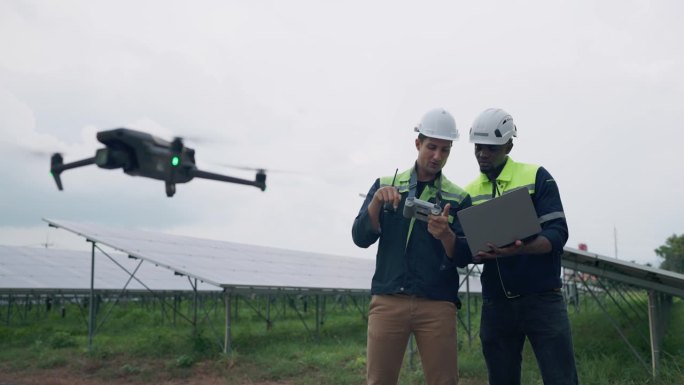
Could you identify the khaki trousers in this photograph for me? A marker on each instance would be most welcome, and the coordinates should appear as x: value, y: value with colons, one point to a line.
x: 392, y: 319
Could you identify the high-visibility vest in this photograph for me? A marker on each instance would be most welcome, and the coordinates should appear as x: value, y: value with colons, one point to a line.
x: 442, y: 191
x: 525, y: 273
x: 512, y: 176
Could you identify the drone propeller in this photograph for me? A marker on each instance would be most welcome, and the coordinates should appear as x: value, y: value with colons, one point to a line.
x: 41, y: 154
x: 238, y: 167
x: 177, y: 144
x: 35, y: 151
x: 258, y: 169
x: 194, y: 139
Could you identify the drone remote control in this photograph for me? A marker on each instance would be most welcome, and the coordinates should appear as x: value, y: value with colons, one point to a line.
x: 416, y: 208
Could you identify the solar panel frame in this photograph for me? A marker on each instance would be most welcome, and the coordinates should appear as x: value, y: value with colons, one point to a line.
x: 645, y: 277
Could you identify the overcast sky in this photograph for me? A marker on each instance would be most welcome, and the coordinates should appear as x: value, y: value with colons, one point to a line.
x: 326, y: 95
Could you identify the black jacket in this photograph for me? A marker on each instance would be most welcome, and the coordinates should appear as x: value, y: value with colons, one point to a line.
x: 420, y: 267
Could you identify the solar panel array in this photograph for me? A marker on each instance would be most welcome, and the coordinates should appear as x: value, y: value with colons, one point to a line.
x: 169, y: 260
x: 228, y: 264
x: 32, y: 268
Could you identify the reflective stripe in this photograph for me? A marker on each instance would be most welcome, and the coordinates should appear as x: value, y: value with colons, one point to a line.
x: 454, y: 196
x: 478, y: 198
x: 551, y: 216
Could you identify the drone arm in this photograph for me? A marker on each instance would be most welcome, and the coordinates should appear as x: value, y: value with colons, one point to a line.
x: 259, y: 182
x: 71, y: 165
x: 57, y: 167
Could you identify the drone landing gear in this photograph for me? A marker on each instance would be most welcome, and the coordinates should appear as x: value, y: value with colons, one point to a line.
x: 170, y: 189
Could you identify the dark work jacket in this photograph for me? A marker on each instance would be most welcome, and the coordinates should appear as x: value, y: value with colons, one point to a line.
x: 420, y: 267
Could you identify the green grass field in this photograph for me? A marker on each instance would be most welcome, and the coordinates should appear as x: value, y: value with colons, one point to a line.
x: 139, y: 340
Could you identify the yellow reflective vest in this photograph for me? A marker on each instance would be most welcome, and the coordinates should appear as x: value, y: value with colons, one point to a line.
x: 527, y: 273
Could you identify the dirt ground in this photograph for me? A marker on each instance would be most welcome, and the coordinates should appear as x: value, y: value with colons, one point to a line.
x: 200, y: 374
x: 65, y: 377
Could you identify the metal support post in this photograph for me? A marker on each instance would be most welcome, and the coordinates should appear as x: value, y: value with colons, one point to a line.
x: 654, y: 322
x: 227, y: 343
x: 91, y: 301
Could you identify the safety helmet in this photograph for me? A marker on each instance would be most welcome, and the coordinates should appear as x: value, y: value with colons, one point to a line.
x: 439, y: 124
x: 493, y: 126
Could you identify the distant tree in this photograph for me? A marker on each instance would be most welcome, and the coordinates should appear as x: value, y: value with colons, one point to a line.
x: 672, y: 253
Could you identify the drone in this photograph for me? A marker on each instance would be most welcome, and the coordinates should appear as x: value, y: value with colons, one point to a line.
x: 141, y: 154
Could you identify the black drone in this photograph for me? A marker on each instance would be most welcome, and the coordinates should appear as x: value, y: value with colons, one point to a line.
x: 141, y: 154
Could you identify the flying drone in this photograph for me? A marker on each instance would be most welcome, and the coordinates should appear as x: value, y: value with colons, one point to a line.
x: 141, y: 154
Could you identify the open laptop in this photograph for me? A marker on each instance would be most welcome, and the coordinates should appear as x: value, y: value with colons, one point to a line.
x: 500, y: 221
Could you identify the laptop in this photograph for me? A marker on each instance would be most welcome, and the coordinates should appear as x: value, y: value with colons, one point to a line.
x: 500, y: 221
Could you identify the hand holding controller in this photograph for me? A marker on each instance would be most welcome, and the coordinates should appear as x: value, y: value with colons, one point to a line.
x: 419, y: 209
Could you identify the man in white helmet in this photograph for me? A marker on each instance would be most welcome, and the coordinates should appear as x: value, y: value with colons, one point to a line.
x: 415, y: 285
x: 521, y: 283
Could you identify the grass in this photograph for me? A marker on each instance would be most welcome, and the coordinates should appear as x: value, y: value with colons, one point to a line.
x: 140, y: 341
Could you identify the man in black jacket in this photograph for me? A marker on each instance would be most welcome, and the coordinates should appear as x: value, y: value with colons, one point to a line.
x: 415, y: 285
x: 521, y: 283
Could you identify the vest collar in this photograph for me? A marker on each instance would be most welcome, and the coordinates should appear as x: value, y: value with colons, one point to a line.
x: 506, y: 173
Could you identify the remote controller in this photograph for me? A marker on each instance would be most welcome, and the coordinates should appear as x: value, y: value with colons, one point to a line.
x: 416, y: 208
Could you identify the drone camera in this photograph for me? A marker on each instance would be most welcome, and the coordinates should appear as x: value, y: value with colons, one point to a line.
x: 110, y: 159
x: 102, y: 157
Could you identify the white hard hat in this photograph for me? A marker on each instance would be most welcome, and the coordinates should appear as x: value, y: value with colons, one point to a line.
x: 439, y: 124
x: 493, y: 126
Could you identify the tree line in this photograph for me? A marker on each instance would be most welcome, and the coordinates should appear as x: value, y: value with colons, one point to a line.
x: 672, y: 253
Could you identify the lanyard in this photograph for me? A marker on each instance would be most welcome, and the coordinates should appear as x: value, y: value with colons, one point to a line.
x: 413, y: 184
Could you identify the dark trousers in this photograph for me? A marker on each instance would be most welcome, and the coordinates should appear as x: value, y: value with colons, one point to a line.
x: 543, y: 319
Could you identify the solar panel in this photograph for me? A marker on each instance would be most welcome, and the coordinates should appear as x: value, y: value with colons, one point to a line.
x: 234, y: 265
x: 228, y: 264
x: 32, y: 268
x: 217, y: 263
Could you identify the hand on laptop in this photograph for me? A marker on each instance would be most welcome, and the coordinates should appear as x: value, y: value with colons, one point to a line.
x: 496, y: 252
